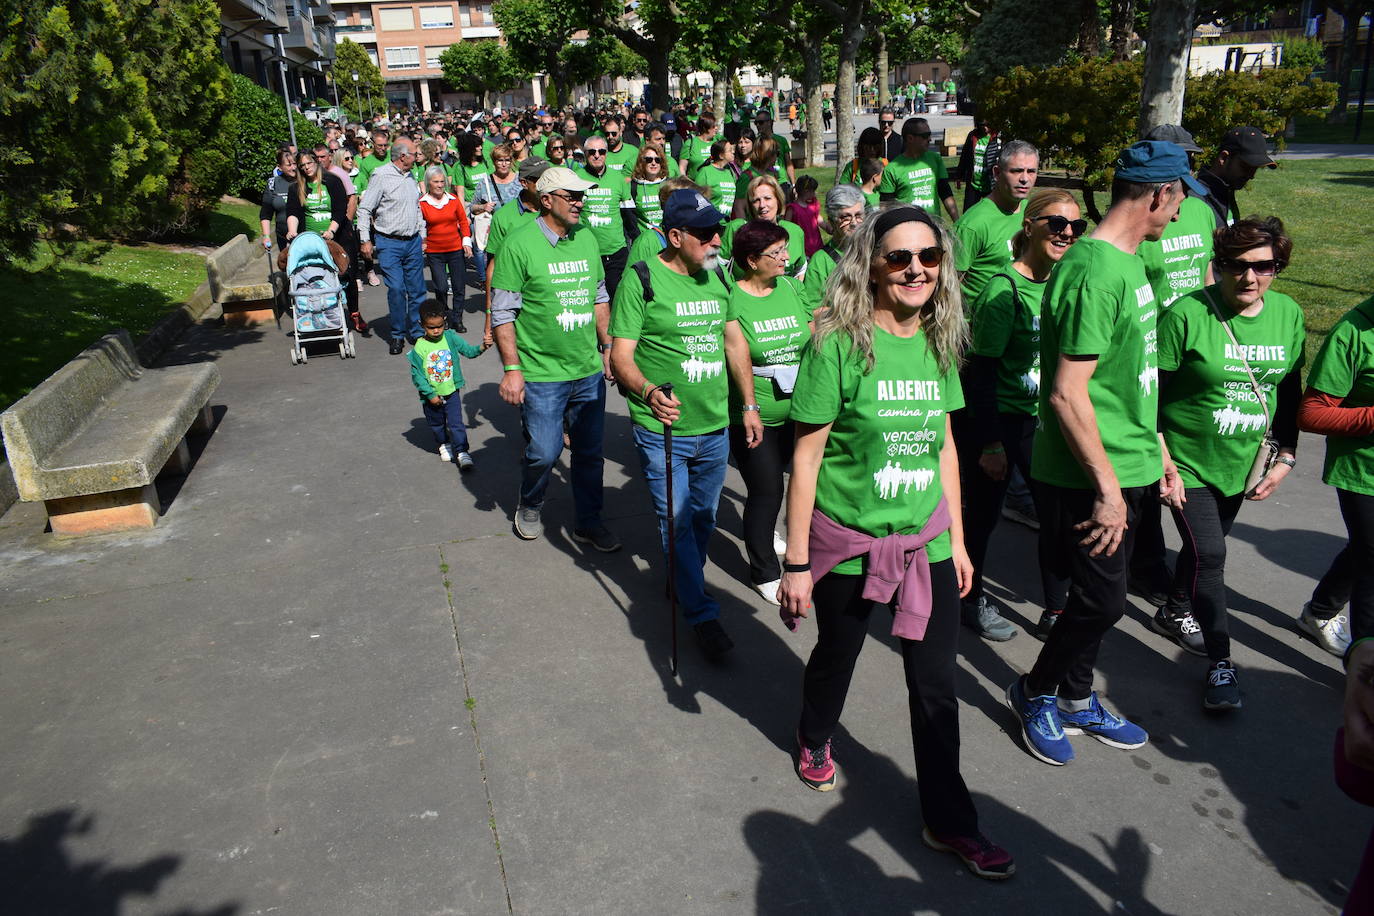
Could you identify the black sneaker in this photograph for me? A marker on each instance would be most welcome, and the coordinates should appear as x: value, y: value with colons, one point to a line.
x: 1181, y: 628
x: 1222, y: 690
x: 1047, y: 621
x: 714, y: 641
x: 599, y: 536
x: 527, y: 522
x: 1154, y: 595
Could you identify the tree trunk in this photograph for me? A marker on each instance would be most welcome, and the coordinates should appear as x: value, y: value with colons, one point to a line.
x: 1166, y: 63
x: 884, y: 91
x: 720, y: 84
x: 1350, y: 15
x: 1090, y: 29
x: 811, y: 78
x: 851, y: 37
x: 1123, y: 23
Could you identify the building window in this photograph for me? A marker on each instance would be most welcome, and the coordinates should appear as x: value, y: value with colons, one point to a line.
x: 465, y: 15
x: 484, y: 8
x: 398, y: 19
x: 372, y: 55
x: 403, y: 58
x: 432, y: 55
x: 436, y: 17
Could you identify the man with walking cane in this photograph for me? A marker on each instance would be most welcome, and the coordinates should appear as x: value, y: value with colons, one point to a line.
x: 668, y: 350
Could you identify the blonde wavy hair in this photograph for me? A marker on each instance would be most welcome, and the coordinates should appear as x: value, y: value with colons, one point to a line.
x: 849, y: 292
x: 754, y: 184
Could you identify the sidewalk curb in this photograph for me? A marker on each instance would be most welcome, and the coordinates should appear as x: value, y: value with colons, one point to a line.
x: 150, y: 347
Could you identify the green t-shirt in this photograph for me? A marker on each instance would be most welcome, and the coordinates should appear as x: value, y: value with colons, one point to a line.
x: 644, y: 195
x: 784, y: 151
x: 721, y: 185
x: 747, y: 174
x: 366, y: 166
x: 434, y: 367
x: 697, y: 152
x: 647, y: 244
x: 1099, y: 303
x: 1344, y: 368
x: 681, y: 339
x: 1177, y: 263
x: 317, y: 208
x: 505, y: 221
x: 1209, y: 414
x: 776, y: 328
x: 984, y: 250
x: 555, y: 329
x: 871, y: 198
x: 470, y: 177
x: 1010, y: 332
x: 796, y: 246
x: 980, y: 176
x: 487, y: 147
x: 601, y: 210
x: 818, y: 269
x: 538, y: 149
x: 623, y: 160
x: 880, y: 472
x: 915, y: 181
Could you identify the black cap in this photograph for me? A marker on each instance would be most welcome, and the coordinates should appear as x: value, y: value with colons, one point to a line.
x: 1249, y: 144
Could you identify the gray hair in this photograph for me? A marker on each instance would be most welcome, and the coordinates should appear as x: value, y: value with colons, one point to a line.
x: 435, y: 170
x: 842, y: 197
x: 1016, y: 148
x: 400, y: 148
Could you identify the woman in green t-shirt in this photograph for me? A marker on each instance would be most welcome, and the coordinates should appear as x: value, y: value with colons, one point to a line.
x: 845, y: 209
x: 319, y: 203
x: 763, y: 200
x: 874, y: 501
x: 645, y: 182
x: 766, y: 324
x: 1002, y: 384
x: 1230, y: 368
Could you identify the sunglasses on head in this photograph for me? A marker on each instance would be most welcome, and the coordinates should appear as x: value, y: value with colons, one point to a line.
x: 1237, y: 267
x: 900, y: 258
x: 1057, y: 224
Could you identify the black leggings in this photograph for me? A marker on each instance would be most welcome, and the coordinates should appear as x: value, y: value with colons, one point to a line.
x: 983, y: 499
x: 762, y: 467
x: 1351, y: 576
x: 929, y: 666
x: 1203, y: 524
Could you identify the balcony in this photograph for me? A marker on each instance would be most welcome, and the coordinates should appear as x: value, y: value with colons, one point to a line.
x: 322, y: 12
x: 324, y: 37
x: 302, y: 40
x: 271, y: 13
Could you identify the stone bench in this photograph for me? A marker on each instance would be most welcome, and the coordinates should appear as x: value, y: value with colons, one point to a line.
x: 243, y: 283
x: 953, y: 142
x: 89, y: 441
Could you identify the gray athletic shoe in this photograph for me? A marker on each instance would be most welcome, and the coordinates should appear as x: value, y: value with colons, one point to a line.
x: 528, y: 525
x: 982, y: 618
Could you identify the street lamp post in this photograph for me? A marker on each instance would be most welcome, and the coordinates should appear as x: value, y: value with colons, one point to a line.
x: 356, y: 97
x: 285, y: 89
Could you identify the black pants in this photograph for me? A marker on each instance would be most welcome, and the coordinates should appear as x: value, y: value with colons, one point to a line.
x: 442, y: 266
x: 1199, y: 577
x: 614, y: 265
x: 1097, y: 593
x: 1148, y: 563
x: 1351, y: 576
x: 929, y: 666
x: 762, y: 467
x: 983, y: 498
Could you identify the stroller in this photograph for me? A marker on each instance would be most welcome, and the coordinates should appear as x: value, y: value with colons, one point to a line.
x: 317, y: 297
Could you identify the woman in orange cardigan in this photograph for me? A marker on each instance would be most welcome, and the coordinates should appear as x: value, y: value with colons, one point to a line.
x: 448, y: 242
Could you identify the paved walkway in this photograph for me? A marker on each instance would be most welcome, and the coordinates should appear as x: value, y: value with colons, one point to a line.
x: 1327, y: 151
x: 331, y: 681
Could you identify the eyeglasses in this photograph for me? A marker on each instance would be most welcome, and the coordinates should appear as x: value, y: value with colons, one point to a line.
x: 1237, y: 267
x: 900, y: 258
x: 612, y: 134
x: 1057, y: 224
x: 572, y: 197
x: 703, y: 235
x: 652, y: 159
x: 779, y: 254
x: 554, y: 149
x: 844, y: 219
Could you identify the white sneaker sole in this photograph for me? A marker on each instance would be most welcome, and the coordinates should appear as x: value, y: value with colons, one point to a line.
x: 1308, y: 626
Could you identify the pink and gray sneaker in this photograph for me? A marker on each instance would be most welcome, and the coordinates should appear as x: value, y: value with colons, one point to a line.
x: 815, y: 767
x: 983, y: 857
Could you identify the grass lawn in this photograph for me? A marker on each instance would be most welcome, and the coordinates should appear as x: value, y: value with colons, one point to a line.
x: 1316, y: 130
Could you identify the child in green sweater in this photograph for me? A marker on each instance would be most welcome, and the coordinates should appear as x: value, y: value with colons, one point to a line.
x: 435, y: 373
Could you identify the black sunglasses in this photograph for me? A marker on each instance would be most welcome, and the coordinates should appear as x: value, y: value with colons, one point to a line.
x: 1237, y: 267
x: 702, y: 235
x: 887, y: 123
x: 1057, y: 224
x: 900, y: 258
x: 652, y: 159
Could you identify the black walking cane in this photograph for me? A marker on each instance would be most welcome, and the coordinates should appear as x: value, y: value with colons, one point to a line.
x: 667, y: 389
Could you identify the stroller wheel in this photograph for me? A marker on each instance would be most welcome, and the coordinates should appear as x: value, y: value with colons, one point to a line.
x: 295, y: 360
x: 343, y: 350
x: 304, y: 355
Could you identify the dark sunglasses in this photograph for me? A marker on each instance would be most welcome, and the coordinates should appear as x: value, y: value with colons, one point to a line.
x: 887, y: 123
x: 596, y: 152
x: 554, y: 149
x: 652, y: 159
x: 705, y: 235
x: 1057, y: 224
x: 1237, y: 267
x: 900, y: 258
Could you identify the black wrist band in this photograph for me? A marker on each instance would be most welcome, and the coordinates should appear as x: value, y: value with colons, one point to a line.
x: 796, y: 567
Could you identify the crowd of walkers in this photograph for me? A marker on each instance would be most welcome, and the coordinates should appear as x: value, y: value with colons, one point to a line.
x: 894, y: 370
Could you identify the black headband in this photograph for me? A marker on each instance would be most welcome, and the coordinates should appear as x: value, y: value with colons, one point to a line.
x: 891, y: 219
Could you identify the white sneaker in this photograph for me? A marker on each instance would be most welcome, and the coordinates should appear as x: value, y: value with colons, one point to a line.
x: 769, y: 590
x: 445, y: 452
x: 779, y: 544
x: 1333, y: 635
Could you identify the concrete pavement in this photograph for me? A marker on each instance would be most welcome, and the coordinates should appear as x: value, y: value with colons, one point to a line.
x: 332, y: 681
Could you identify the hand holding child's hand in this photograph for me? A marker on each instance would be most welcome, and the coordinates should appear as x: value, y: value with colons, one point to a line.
x: 436, y: 400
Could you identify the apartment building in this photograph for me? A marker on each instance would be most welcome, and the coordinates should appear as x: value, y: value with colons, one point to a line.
x: 257, y: 35
x: 405, y: 40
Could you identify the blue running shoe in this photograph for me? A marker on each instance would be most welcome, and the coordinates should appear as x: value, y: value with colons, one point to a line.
x: 1040, y: 725
x: 1110, y: 729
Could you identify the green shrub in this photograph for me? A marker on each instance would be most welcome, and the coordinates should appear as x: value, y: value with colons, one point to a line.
x: 258, y: 127
x: 1303, y: 54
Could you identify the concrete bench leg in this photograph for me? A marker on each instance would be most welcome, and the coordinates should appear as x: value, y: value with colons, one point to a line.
x: 203, y: 423
x: 102, y: 513
x: 246, y: 313
x: 179, y: 462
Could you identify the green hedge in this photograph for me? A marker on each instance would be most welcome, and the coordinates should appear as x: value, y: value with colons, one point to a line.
x: 258, y: 126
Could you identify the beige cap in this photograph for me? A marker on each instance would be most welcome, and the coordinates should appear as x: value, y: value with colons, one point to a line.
x: 560, y: 178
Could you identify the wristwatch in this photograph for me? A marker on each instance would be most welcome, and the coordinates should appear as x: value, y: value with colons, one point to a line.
x: 1284, y: 459
x: 749, y: 407
x: 603, y: 348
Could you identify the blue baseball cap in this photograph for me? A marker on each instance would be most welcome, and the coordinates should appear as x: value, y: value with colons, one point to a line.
x: 687, y: 209
x: 1155, y: 162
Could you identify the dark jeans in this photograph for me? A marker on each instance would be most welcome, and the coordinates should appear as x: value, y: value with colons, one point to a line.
x: 1097, y: 591
x: 930, y: 669
x: 1350, y: 580
x: 614, y: 265
x: 983, y: 498
x: 442, y: 266
x: 446, y: 421
x: 762, y: 467
x: 402, y: 263
x: 1203, y: 524
x: 583, y: 403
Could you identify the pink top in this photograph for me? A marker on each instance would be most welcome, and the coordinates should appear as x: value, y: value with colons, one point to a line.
x: 809, y: 218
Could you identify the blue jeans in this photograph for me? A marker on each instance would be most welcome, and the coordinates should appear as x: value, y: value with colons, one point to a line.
x: 699, y: 464
x: 403, y: 271
x: 583, y: 402
x: 442, y: 265
x: 446, y: 421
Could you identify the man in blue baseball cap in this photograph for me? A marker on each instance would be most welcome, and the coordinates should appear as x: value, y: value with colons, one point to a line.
x: 1097, y: 455
x: 669, y: 329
